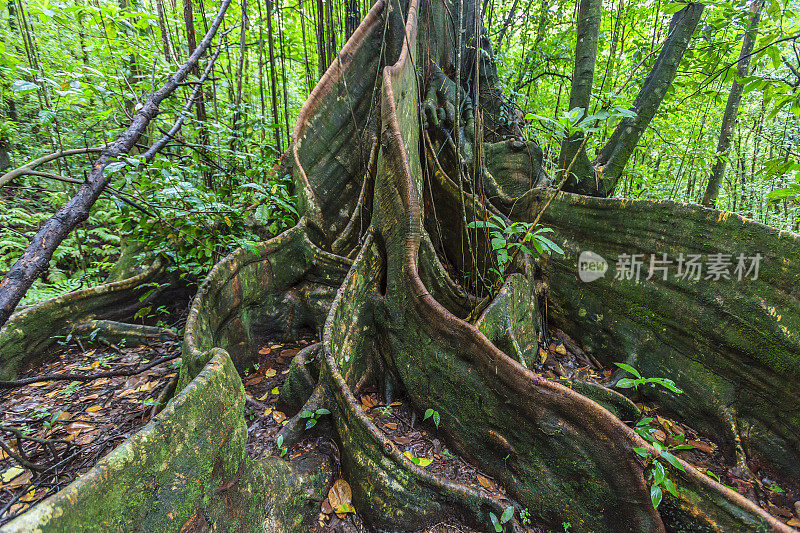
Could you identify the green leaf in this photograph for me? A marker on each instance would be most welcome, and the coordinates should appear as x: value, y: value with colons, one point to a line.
x: 310, y: 423
x: 507, y: 514
x: 658, y: 473
x: 670, y: 486
x: 629, y: 368
x: 428, y: 414
x: 671, y: 459
x: 641, y: 451
x: 498, y: 527
x: 306, y: 414
x: 23, y: 86
x: 322, y: 411
x: 626, y: 383
x: 656, y: 495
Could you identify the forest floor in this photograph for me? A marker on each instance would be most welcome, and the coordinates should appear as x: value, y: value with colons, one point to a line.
x: 64, y: 427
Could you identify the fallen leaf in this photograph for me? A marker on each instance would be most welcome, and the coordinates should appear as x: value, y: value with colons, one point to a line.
x: 255, y: 380
x: 343, y: 509
x: 485, y: 482
x: 11, y: 473
x: 18, y: 481
x: 340, y: 494
x: 40, y: 384
x: 286, y: 371
x: 276, y: 391
x: 29, y: 496
x: 270, y: 373
x: 402, y: 440
x: 326, y: 506
x: 265, y: 350
x: 78, y: 426
x: 702, y: 446
x: 542, y: 355
x: 64, y: 415
x: 278, y: 416
x: 794, y: 522
x: 93, y: 408
x: 660, y: 435
x: 86, y: 438
x: 391, y: 425
x: 266, y: 395
x: 560, y: 349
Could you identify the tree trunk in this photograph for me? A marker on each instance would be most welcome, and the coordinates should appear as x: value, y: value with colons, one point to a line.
x: 617, y: 151
x: 732, y: 106
x: 375, y: 267
x: 588, y: 36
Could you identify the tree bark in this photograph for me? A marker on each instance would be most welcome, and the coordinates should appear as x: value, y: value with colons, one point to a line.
x: 732, y: 106
x: 617, y: 151
x: 588, y: 36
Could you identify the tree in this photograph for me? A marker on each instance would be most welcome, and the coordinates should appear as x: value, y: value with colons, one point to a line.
x: 404, y: 147
x: 732, y: 106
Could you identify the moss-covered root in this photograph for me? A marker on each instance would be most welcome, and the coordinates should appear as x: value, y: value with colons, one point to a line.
x: 114, y: 332
x: 29, y: 333
x: 389, y: 490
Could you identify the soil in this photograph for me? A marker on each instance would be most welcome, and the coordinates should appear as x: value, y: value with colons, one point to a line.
x: 79, y: 422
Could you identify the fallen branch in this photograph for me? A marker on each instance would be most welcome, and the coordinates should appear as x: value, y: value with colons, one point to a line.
x: 36, y: 257
x: 28, y: 167
x: 86, y: 377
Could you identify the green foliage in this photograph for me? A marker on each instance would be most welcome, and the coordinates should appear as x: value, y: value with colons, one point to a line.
x: 313, y: 416
x: 499, y: 523
x: 627, y: 383
x: 656, y: 471
x: 506, y: 239
x: 432, y: 413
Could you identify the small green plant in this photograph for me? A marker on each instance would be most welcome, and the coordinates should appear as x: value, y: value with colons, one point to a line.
x: 627, y: 383
x: 70, y: 389
x: 656, y: 472
x: 432, y: 413
x: 313, y: 416
x: 525, y: 516
x: 715, y: 477
x: 419, y: 461
x: 500, y: 523
x: 566, y: 526
x: 282, y: 450
x: 505, y: 238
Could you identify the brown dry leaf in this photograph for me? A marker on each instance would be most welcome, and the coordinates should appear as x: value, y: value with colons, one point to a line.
x: 794, y: 522
x: 286, y: 371
x: 276, y: 346
x: 18, y: 481
x: 93, y: 408
x: 102, y: 381
x: 64, y: 415
x: 18, y: 508
x: 402, y: 440
x: 340, y: 494
x: 29, y: 496
x: 702, y: 446
x: 560, y: 349
x: 270, y: 373
x: 326, y: 506
x: 255, y: 380
x: 367, y: 402
x: 485, y: 482
x: 278, y: 416
x: 90, y: 397
x: 78, y: 426
x: 71, y: 437
x: 265, y: 350
x: 86, y: 438
x: 147, y: 387
x: 40, y: 384
x: 660, y: 435
x: 391, y: 425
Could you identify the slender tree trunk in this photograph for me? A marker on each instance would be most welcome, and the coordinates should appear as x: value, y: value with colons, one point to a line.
x: 322, y: 59
x: 508, y: 22
x: 162, y: 26
x: 588, y: 36
x: 617, y: 151
x: 732, y: 106
x: 237, y: 104
x: 273, y: 81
